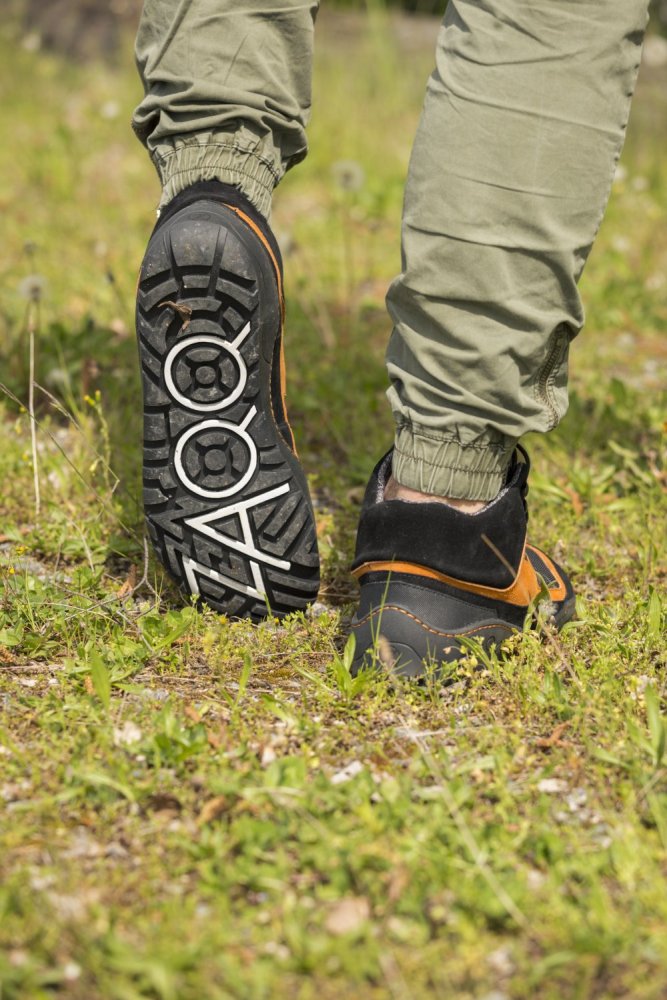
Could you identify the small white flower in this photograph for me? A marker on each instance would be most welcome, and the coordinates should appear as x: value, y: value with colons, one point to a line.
x: 535, y: 879
x: 110, y: 109
x: 127, y: 735
x: 621, y: 244
x: 626, y: 340
x: 32, y: 287
x: 501, y: 961
x: 71, y: 972
x: 620, y: 174
x: 32, y: 42
x: 655, y: 51
x: 348, y: 175
x: 576, y: 799
x: 347, y: 773
x: 551, y: 786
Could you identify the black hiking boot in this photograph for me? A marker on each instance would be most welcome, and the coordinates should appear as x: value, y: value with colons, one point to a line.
x: 432, y: 577
x: 226, y: 501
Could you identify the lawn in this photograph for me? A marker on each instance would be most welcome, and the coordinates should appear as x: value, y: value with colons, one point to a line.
x: 195, y: 808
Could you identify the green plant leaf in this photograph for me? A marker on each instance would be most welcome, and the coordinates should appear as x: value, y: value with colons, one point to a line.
x: 654, y: 616
x: 656, y: 724
x: 101, y: 678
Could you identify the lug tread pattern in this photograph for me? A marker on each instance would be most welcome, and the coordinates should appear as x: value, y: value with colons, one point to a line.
x: 205, y: 278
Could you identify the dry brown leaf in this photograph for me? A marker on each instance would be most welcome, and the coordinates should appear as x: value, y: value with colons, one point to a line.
x: 213, y: 808
x: 385, y: 653
x: 554, y: 739
x: 347, y: 915
x: 128, y: 584
x: 577, y: 503
x: 398, y: 883
x: 216, y: 739
x: 185, y: 312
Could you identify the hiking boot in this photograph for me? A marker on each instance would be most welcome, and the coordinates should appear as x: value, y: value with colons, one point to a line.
x: 433, y: 577
x: 226, y: 501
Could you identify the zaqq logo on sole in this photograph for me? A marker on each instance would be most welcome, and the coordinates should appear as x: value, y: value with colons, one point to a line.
x: 215, y: 458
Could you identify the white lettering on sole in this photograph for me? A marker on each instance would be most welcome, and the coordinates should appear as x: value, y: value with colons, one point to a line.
x: 216, y: 458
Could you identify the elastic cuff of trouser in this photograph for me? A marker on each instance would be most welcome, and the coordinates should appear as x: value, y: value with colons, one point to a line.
x: 237, y: 158
x: 448, y: 468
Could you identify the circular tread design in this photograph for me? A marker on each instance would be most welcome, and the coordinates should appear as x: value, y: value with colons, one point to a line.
x: 226, y: 501
x: 204, y: 373
x: 215, y: 459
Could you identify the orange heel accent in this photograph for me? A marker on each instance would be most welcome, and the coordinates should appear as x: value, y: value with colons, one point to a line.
x: 279, y: 281
x: 520, y: 592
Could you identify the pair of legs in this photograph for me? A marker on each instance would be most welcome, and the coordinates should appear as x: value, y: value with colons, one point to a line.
x: 522, y: 126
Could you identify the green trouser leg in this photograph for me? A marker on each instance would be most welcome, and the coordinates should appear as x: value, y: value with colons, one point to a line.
x: 523, y: 123
x: 227, y: 91
x: 511, y: 169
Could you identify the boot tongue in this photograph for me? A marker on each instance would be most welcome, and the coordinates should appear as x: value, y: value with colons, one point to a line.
x: 517, y: 474
x: 374, y: 493
x: 382, y: 474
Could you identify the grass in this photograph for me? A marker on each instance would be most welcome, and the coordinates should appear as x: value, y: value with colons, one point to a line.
x: 201, y: 808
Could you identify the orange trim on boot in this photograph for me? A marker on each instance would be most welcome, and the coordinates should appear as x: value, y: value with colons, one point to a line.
x: 520, y: 592
x: 559, y: 592
x: 267, y: 246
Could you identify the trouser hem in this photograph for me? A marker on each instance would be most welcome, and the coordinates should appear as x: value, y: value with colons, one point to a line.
x: 233, y: 158
x: 449, y: 468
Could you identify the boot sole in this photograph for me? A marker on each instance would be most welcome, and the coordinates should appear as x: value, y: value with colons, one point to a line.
x: 226, y: 501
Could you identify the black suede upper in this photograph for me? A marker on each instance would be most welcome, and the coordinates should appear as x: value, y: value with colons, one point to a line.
x: 443, y: 538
